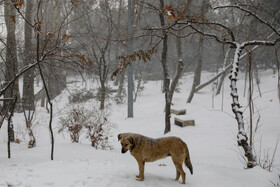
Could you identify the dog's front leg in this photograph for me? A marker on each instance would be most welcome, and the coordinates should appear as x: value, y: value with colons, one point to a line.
x: 141, y: 165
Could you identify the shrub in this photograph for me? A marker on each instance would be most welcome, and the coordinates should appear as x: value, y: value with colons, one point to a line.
x: 120, y: 97
x: 93, y: 122
x: 81, y: 96
x: 73, y: 122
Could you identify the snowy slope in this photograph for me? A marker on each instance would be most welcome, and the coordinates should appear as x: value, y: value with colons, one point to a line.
x: 212, y: 143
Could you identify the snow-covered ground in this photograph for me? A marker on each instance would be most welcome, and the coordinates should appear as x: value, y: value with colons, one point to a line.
x: 212, y: 143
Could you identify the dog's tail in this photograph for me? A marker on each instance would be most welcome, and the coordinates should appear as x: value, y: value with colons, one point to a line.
x: 188, y: 160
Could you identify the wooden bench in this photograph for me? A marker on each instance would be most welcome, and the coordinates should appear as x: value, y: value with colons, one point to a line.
x: 184, y: 122
x: 178, y: 112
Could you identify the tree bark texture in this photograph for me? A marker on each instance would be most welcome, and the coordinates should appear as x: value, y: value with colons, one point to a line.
x: 221, y: 81
x: 242, y: 138
x: 278, y: 70
x: 180, y: 67
x: 250, y: 95
x: 47, y: 94
x: 55, y: 78
x: 102, y: 95
x: 11, y: 64
x: 165, y: 70
x: 28, y: 98
x: 197, y: 74
x: 130, y: 67
x: 38, y: 52
x: 10, y: 125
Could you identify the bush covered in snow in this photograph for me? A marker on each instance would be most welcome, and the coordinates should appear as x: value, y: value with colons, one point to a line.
x: 93, y: 122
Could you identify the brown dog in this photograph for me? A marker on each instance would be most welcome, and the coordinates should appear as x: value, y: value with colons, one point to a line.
x: 145, y: 149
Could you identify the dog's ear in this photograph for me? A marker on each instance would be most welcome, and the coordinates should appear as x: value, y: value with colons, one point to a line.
x: 119, y: 137
x: 130, y: 139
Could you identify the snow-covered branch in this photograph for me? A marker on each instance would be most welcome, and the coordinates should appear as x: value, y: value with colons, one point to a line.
x: 251, y: 13
x: 260, y: 42
x: 236, y: 108
x: 22, y: 71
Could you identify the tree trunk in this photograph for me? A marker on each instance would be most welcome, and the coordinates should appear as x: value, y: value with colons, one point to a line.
x: 11, y: 64
x: 102, y: 95
x: 55, y: 77
x: 250, y: 95
x: 256, y: 74
x: 278, y: 70
x: 224, y: 74
x: 165, y: 71
x: 47, y: 8
x: 118, y: 78
x: 242, y: 138
x: 197, y: 74
x: 130, y: 67
x: 199, y: 87
x: 10, y: 125
x: 180, y: 67
x: 175, y: 81
x: 28, y: 97
x: 227, y: 68
x: 246, y: 76
x: 28, y: 122
x: 121, y: 84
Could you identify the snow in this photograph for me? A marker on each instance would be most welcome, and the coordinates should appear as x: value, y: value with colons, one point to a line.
x: 212, y: 142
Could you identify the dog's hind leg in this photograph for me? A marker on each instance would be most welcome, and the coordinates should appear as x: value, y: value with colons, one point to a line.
x: 177, y: 174
x: 183, y: 174
x: 179, y: 169
x: 141, y: 165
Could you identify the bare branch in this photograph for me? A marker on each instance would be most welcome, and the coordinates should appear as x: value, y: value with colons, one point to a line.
x: 251, y: 13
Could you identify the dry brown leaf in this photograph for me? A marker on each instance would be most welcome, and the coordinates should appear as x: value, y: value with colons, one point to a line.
x: 13, y: 18
x: 19, y: 3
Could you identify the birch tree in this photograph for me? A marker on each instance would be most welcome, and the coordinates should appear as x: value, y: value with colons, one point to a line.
x: 226, y: 36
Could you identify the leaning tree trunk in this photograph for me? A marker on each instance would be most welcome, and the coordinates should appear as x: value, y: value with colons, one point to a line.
x: 221, y: 81
x: 242, y: 138
x: 180, y: 67
x: 197, y: 74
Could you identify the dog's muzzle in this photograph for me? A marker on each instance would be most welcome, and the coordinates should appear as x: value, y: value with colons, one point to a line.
x: 124, y: 151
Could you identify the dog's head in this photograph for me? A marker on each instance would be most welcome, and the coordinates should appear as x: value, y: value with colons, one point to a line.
x: 126, y: 141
